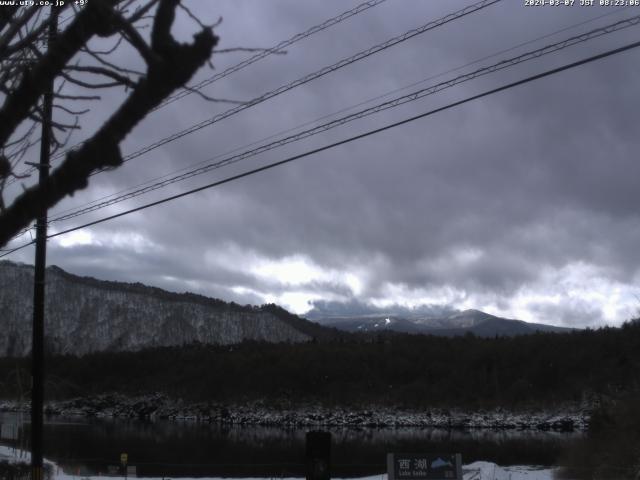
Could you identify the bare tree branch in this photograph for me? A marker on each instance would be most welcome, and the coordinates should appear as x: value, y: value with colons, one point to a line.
x: 141, y: 12
x: 120, y: 79
x: 23, y: 42
x: 108, y: 64
x: 77, y: 97
x: 194, y: 18
x: 6, y: 14
x: 15, y: 27
x: 170, y: 66
x: 88, y: 22
x: 71, y: 112
x: 136, y: 40
x: 58, y: 144
x: 110, y: 50
x: 20, y: 139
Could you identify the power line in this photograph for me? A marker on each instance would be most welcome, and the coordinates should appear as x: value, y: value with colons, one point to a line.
x: 344, y: 62
x: 96, y: 205
x: 310, y: 77
x: 279, y: 47
x: 347, y: 140
x: 313, y: 76
x: 28, y: 62
x: 369, y: 100
x: 596, y: 33
x: 249, y: 61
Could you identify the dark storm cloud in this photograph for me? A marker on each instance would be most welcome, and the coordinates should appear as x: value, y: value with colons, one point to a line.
x: 511, y: 203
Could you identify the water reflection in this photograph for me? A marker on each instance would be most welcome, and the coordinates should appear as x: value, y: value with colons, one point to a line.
x: 183, y: 448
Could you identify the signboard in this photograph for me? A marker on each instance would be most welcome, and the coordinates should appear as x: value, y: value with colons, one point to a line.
x: 424, y: 466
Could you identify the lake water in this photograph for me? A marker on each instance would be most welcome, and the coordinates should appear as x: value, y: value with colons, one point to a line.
x: 190, y: 449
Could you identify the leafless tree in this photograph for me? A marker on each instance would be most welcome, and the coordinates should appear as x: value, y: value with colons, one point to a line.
x: 28, y: 64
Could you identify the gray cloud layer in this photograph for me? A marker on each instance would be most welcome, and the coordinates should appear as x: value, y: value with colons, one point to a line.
x: 521, y: 203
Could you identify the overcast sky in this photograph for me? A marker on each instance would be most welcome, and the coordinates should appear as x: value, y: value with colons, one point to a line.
x: 523, y: 204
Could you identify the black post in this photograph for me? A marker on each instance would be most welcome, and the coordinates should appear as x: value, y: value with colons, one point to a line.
x: 37, y: 349
x: 318, y: 456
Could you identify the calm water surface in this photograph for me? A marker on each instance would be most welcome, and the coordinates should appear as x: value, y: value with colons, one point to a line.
x: 185, y: 448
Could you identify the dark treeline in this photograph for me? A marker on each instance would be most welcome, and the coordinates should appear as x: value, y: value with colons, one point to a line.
x: 391, y: 369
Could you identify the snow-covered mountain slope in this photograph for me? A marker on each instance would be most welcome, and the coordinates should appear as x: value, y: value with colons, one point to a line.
x: 373, y: 323
x: 86, y: 315
x: 468, y: 321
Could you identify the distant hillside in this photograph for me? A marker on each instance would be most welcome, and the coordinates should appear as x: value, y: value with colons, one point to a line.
x: 460, y: 323
x: 88, y: 315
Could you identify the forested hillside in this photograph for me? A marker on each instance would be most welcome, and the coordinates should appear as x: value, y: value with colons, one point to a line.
x: 391, y: 369
x: 85, y: 315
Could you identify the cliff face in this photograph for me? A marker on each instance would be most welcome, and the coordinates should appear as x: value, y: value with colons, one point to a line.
x: 87, y: 315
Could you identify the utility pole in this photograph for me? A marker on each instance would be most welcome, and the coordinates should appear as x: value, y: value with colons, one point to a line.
x: 37, y: 349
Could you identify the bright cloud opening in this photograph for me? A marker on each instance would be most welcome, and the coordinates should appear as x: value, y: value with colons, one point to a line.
x: 77, y: 238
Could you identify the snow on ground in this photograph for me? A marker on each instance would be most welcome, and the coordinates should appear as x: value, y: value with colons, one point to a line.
x: 491, y: 471
x: 14, y: 455
x: 472, y: 471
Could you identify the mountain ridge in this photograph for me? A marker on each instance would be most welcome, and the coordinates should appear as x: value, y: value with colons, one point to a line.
x: 85, y: 314
x: 464, y: 322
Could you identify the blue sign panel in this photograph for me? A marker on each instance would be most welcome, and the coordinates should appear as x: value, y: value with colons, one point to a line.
x: 424, y: 466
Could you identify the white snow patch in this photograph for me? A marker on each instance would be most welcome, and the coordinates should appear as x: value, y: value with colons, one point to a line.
x: 489, y: 470
x: 472, y: 471
x: 15, y: 455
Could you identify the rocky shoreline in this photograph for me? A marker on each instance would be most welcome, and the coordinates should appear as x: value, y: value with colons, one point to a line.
x: 158, y: 406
